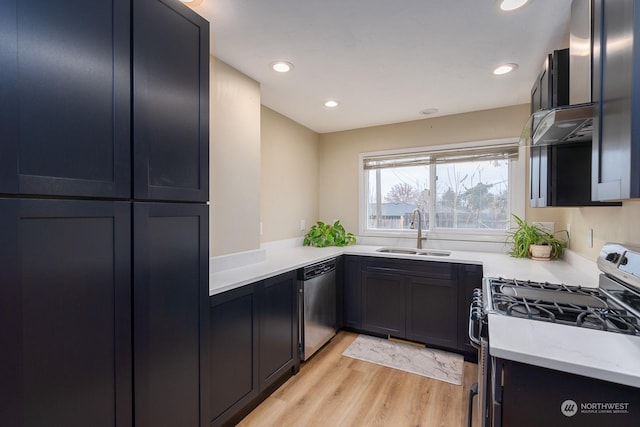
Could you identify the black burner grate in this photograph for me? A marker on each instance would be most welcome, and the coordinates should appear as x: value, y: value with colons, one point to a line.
x: 600, y: 315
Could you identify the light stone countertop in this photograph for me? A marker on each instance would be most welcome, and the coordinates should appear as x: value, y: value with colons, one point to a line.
x: 494, y: 265
x: 604, y: 355
x: 597, y: 354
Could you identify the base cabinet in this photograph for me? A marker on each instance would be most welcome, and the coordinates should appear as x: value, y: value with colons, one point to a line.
x: 351, y: 291
x: 383, y: 303
x: 432, y: 310
x: 233, y: 325
x: 415, y: 300
x: 469, y: 278
x: 253, y: 334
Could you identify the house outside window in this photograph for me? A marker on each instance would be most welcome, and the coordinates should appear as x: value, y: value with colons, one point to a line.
x: 463, y: 191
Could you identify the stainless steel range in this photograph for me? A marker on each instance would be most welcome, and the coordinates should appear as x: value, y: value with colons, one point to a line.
x: 518, y: 394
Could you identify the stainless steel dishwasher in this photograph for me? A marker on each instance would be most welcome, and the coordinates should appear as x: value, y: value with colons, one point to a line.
x: 317, y: 293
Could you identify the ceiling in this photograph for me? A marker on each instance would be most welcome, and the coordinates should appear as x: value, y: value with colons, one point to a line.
x: 385, y: 60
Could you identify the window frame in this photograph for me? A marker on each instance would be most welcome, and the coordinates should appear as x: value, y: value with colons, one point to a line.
x: 517, y: 194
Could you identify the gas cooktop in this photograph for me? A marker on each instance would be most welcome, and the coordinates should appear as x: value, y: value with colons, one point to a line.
x: 560, y: 303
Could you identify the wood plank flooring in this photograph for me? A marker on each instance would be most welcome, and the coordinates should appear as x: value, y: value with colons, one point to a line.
x: 333, y: 390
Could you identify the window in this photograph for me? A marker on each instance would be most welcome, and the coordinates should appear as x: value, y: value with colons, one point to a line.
x: 458, y: 188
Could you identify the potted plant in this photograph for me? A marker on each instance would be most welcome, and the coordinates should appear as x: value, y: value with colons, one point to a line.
x: 321, y: 235
x: 530, y: 241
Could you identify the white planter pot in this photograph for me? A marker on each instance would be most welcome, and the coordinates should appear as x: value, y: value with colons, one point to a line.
x: 540, y: 251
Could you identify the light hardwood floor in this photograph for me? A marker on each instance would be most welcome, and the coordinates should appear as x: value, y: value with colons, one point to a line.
x: 333, y: 390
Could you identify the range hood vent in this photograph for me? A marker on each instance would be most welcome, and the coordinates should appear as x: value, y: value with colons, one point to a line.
x: 562, y: 125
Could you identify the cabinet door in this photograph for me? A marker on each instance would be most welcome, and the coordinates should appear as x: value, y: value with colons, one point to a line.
x: 352, y: 293
x: 539, y: 177
x: 469, y: 278
x: 65, y: 304
x: 278, y: 330
x: 171, y: 102
x: 615, y: 146
x: 383, y: 303
x: 65, y: 98
x: 432, y: 310
x: 233, y: 347
x: 170, y: 314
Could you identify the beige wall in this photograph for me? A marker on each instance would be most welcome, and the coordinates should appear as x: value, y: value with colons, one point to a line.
x: 609, y: 224
x: 235, y: 161
x: 288, y: 177
x: 339, y: 151
x: 265, y: 167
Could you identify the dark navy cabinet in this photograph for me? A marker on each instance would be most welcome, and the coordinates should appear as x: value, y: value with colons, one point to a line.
x: 432, y: 306
x: 104, y: 267
x: 383, y: 303
x: 469, y: 278
x: 70, y: 77
x: 170, y: 313
x: 351, y: 291
x: 616, y: 141
x: 65, y: 313
x: 253, y: 344
x: 65, y: 115
x: 278, y: 323
x: 560, y: 175
x: 233, y: 323
x: 418, y: 300
x: 170, y: 102
x: 410, y: 299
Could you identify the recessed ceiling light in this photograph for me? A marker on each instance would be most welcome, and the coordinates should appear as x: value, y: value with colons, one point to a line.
x: 504, y: 69
x: 282, y: 66
x: 428, y: 111
x: 509, y: 5
x: 331, y: 103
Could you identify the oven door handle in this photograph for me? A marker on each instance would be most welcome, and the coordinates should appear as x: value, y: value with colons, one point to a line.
x: 474, y: 333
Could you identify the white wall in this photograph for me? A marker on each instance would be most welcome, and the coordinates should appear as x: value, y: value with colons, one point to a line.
x: 235, y: 161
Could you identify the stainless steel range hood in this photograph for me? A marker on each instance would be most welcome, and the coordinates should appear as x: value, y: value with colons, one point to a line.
x: 572, y: 123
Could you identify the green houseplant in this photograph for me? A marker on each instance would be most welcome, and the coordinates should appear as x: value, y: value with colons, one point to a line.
x: 526, y: 235
x: 321, y: 235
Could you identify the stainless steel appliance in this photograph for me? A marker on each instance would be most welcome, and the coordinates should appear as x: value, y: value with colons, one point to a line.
x: 317, y: 292
x: 518, y: 394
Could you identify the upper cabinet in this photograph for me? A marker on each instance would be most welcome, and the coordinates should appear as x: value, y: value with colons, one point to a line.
x: 559, y: 173
x: 170, y: 102
x: 65, y: 115
x: 616, y: 143
x: 70, y: 75
x: 551, y: 88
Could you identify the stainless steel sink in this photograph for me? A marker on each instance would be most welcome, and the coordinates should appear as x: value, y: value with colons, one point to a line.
x: 434, y: 253
x: 398, y: 251
x: 410, y: 251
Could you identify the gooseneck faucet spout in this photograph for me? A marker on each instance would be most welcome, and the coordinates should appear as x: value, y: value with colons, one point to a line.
x: 415, y: 212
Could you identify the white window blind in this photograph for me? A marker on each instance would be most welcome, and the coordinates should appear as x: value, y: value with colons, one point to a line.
x: 485, y: 153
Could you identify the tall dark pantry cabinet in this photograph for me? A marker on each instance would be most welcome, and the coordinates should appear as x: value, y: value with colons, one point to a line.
x: 103, y: 213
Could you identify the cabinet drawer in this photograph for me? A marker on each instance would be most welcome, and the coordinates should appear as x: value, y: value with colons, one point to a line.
x: 430, y: 269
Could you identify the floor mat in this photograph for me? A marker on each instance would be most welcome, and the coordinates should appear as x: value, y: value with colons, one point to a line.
x: 437, y: 364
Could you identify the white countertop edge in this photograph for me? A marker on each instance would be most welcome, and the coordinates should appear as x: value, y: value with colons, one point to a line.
x: 580, y: 351
x: 281, y: 260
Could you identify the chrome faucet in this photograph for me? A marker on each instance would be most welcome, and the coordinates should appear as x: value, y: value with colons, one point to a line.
x: 413, y: 217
